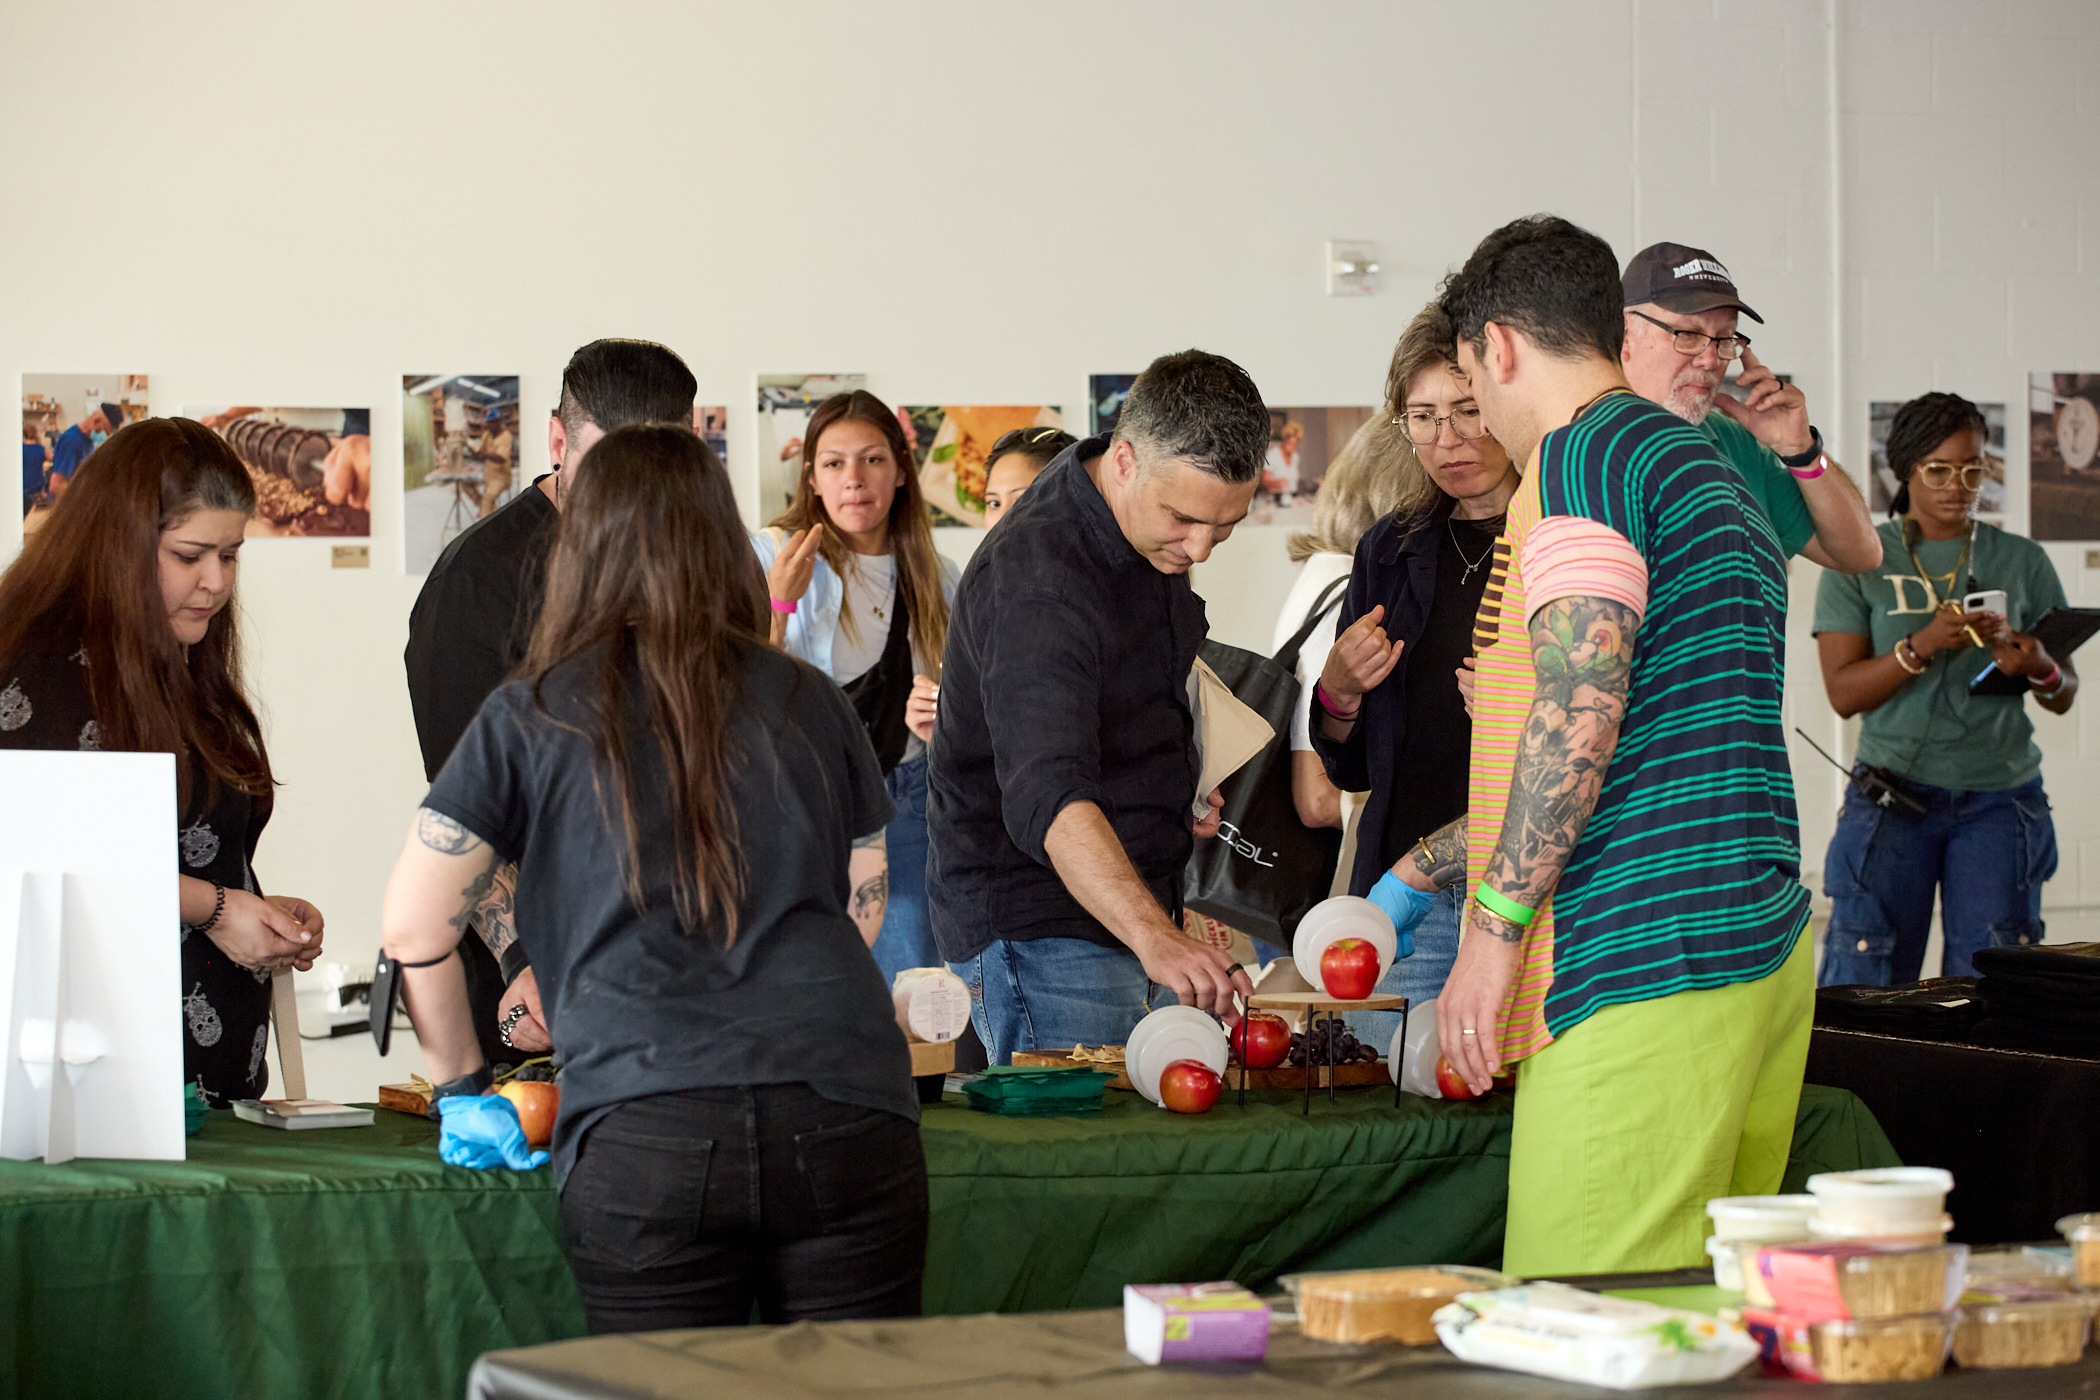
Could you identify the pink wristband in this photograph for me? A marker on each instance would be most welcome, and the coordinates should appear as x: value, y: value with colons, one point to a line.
x: 783, y: 605
x: 1327, y: 703
x: 1813, y: 470
x: 2054, y: 678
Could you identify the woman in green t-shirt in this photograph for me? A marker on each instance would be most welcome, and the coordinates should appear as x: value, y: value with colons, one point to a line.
x: 1897, y: 647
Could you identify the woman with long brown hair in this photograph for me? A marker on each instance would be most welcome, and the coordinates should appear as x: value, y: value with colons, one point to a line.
x: 859, y: 592
x: 118, y: 632
x: 692, y: 814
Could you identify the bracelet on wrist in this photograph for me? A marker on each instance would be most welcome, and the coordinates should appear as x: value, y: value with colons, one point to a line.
x: 218, y: 907
x: 1811, y: 473
x: 1503, y: 907
x: 2050, y: 683
x: 1916, y: 665
x: 1807, y: 463
x: 1327, y: 703
x: 784, y: 605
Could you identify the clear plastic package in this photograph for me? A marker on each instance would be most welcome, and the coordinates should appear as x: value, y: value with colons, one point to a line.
x: 1911, y: 1348
x: 1856, y: 1281
x: 2024, y: 1265
x: 2016, y: 1326
x: 1550, y: 1329
x: 1383, y: 1305
x: 2083, y: 1231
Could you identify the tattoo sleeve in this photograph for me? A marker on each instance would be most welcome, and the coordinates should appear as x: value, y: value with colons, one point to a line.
x: 444, y: 835
x: 1440, y: 857
x: 489, y: 905
x: 1583, y: 650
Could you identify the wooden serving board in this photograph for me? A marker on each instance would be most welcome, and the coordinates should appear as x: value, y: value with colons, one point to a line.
x: 1290, y: 1076
x: 1057, y: 1059
x: 928, y: 1058
x: 404, y: 1098
x: 1320, y: 1001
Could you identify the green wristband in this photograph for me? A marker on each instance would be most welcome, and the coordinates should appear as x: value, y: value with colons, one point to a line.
x: 1503, y: 907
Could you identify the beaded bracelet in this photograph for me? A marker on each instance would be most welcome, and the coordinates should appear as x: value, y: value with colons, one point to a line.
x: 218, y: 907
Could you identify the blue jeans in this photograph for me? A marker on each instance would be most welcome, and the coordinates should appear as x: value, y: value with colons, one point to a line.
x: 906, y: 939
x: 1986, y: 853
x: 1419, y: 977
x: 1054, y: 993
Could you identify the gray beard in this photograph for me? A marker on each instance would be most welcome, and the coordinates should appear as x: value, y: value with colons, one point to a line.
x: 1694, y: 416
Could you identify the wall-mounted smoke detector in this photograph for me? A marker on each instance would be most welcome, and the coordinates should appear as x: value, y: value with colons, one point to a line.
x: 1352, y: 268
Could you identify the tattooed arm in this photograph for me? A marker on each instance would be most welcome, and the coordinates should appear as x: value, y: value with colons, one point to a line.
x: 1582, y: 649
x: 446, y: 878
x: 868, y: 879
x: 1436, y: 861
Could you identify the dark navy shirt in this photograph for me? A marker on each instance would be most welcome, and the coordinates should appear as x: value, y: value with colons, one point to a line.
x: 1065, y: 680
x: 70, y: 450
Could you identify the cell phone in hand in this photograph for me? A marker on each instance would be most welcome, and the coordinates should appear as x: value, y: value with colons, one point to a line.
x: 1990, y: 600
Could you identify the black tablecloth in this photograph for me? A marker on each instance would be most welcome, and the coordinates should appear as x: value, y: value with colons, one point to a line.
x: 2020, y: 1131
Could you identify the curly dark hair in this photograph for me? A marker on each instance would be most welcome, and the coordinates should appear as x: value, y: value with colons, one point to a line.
x: 1919, y: 426
x: 1555, y: 282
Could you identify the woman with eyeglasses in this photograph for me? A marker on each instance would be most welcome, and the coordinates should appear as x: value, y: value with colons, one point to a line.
x: 1389, y: 715
x: 1898, y: 647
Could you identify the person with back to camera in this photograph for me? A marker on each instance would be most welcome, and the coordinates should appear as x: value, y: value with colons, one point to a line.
x: 1391, y: 697
x: 1013, y: 464
x: 691, y: 813
x: 860, y: 593
x: 1681, y: 312
x: 1897, y: 648
x: 1063, y: 776
x: 35, y: 456
x: 118, y: 632
x: 77, y: 443
x: 475, y: 614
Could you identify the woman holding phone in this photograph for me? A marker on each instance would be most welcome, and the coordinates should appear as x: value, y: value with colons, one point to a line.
x: 1898, y: 647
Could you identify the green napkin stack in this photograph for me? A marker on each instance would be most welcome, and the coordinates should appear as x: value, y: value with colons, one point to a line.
x: 1018, y: 1092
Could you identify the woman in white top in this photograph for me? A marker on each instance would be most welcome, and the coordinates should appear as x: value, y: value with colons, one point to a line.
x: 859, y: 592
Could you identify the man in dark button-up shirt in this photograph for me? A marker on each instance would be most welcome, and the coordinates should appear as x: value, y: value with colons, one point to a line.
x: 1062, y: 785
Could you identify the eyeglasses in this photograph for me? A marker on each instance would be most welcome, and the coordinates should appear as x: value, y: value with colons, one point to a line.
x: 1424, y: 427
x: 1728, y: 347
x: 1938, y: 474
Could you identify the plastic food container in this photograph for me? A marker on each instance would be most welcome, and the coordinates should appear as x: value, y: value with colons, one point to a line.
x: 1383, y: 1305
x: 2021, y: 1266
x: 1550, y: 1329
x: 1770, y: 1219
x: 2083, y: 1231
x: 1821, y: 1229
x: 1858, y: 1281
x: 2022, y: 1327
x: 1883, y: 1200
x: 1910, y: 1348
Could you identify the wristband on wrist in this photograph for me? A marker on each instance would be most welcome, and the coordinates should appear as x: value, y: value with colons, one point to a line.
x: 1812, y: 473
x: 1916, y: 664
x: 2051, y: 681
x: 1327, y: 703
x: 475, y: 1082
x: 1503, y: 907
x: 1801, y: 463
x: 783, y: 605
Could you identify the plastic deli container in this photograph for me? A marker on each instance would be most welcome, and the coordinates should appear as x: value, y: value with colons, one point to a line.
x: 1859, y: 1281
x: 2022, y: 1327
x: 2023, y: 1266
x: 1910, y: 1348
x: 1819, y: 1228
x: 1383, y: 1305
x: 1769, y: 1219
x: 2083, y: 1231
x: 1884, y: 1200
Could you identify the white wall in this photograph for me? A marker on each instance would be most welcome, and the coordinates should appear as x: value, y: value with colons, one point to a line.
x: 984, y: 203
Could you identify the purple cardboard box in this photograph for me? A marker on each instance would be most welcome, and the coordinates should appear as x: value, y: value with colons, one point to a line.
x: 1194, y: 1322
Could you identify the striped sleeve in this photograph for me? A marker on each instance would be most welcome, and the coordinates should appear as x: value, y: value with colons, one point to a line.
x: 1572, y: 556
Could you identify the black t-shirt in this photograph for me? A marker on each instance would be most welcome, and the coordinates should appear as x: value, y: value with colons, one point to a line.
x: 472, y: 620
x: 1429, y: 777
x: 635, y: 1005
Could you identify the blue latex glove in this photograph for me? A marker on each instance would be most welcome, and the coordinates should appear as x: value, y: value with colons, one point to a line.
x: 482, y: 1130
x: 1405, y: 905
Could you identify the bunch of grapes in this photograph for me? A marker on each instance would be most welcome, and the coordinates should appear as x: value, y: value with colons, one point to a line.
x: 1330, y: 1042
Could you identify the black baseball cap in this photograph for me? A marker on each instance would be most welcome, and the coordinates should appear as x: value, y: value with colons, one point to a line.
x: 1680, y: 278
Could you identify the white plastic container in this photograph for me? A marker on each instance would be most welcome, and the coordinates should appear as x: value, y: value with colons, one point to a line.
x: 1419, y: 1053
x: 1766, y: 1219
x: 1882, y: 1201
x: 933, y: 1004
x: 1821, y: 1229
x: 1332, y: 920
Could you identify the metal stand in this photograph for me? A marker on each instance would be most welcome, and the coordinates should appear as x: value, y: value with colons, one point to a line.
x: 1313, y: 1003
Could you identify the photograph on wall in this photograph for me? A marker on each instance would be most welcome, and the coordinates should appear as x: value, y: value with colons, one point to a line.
x: 312, y: 467
x: 2063, y: 457
x: 1302, y: 441
x: 1105, y: 395
x: 64, y: 418
x: 1882, y: 484
x: 949, y: 445
x: 711, y: 422
x: 785, y: 402
x: 459, y: 458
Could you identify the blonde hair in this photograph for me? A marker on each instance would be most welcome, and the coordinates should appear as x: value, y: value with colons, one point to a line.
x: 1364, y: 482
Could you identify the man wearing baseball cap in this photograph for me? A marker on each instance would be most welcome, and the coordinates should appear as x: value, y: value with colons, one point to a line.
x: 1682, y: 309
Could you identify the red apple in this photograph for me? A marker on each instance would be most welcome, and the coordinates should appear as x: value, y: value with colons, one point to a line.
x: 1261, y: 1040
x: 1189, y: 1086
x: 1349, y: 968
x: 1450, y: 1083
x: 537, y: 1104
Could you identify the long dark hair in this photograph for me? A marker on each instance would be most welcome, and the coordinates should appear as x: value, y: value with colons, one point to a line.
x: 651, y: 567
x: 911, y: 532
x: 91, y: 578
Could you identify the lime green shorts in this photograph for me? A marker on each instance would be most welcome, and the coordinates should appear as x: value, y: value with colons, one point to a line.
x: 1627, y: 1125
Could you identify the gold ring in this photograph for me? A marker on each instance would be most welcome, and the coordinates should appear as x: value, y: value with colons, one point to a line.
x: 1468, y: 1031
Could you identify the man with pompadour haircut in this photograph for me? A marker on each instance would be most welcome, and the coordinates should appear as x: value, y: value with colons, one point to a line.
x: 1062, y: 795
x: 476, y: 612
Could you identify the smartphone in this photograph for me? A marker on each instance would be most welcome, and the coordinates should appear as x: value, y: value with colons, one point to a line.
x: 1990, y: 600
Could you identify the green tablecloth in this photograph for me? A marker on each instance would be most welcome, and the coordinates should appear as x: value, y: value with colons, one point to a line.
x: 353, y: 1263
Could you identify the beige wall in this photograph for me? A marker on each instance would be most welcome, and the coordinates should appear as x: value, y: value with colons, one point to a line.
x: 986, y: 203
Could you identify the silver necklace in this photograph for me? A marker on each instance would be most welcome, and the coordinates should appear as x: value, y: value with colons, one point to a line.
x: 1471, y: 564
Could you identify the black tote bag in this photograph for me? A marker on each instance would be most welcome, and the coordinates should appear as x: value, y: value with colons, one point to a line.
x: 1265, y: 868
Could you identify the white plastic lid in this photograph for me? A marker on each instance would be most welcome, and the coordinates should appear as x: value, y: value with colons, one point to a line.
x: 1887, y: 1182
x: 1761, y: 1208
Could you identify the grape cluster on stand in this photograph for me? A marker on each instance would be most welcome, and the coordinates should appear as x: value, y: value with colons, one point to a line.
x: 1330, y: 1042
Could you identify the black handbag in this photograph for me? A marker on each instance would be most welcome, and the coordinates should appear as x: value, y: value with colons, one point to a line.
x: 1265, y: 868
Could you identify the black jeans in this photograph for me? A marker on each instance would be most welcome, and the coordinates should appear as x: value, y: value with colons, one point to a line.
x: 682, y: 1209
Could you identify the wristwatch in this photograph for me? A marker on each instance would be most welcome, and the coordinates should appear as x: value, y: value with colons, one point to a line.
x: 1802, y: 461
